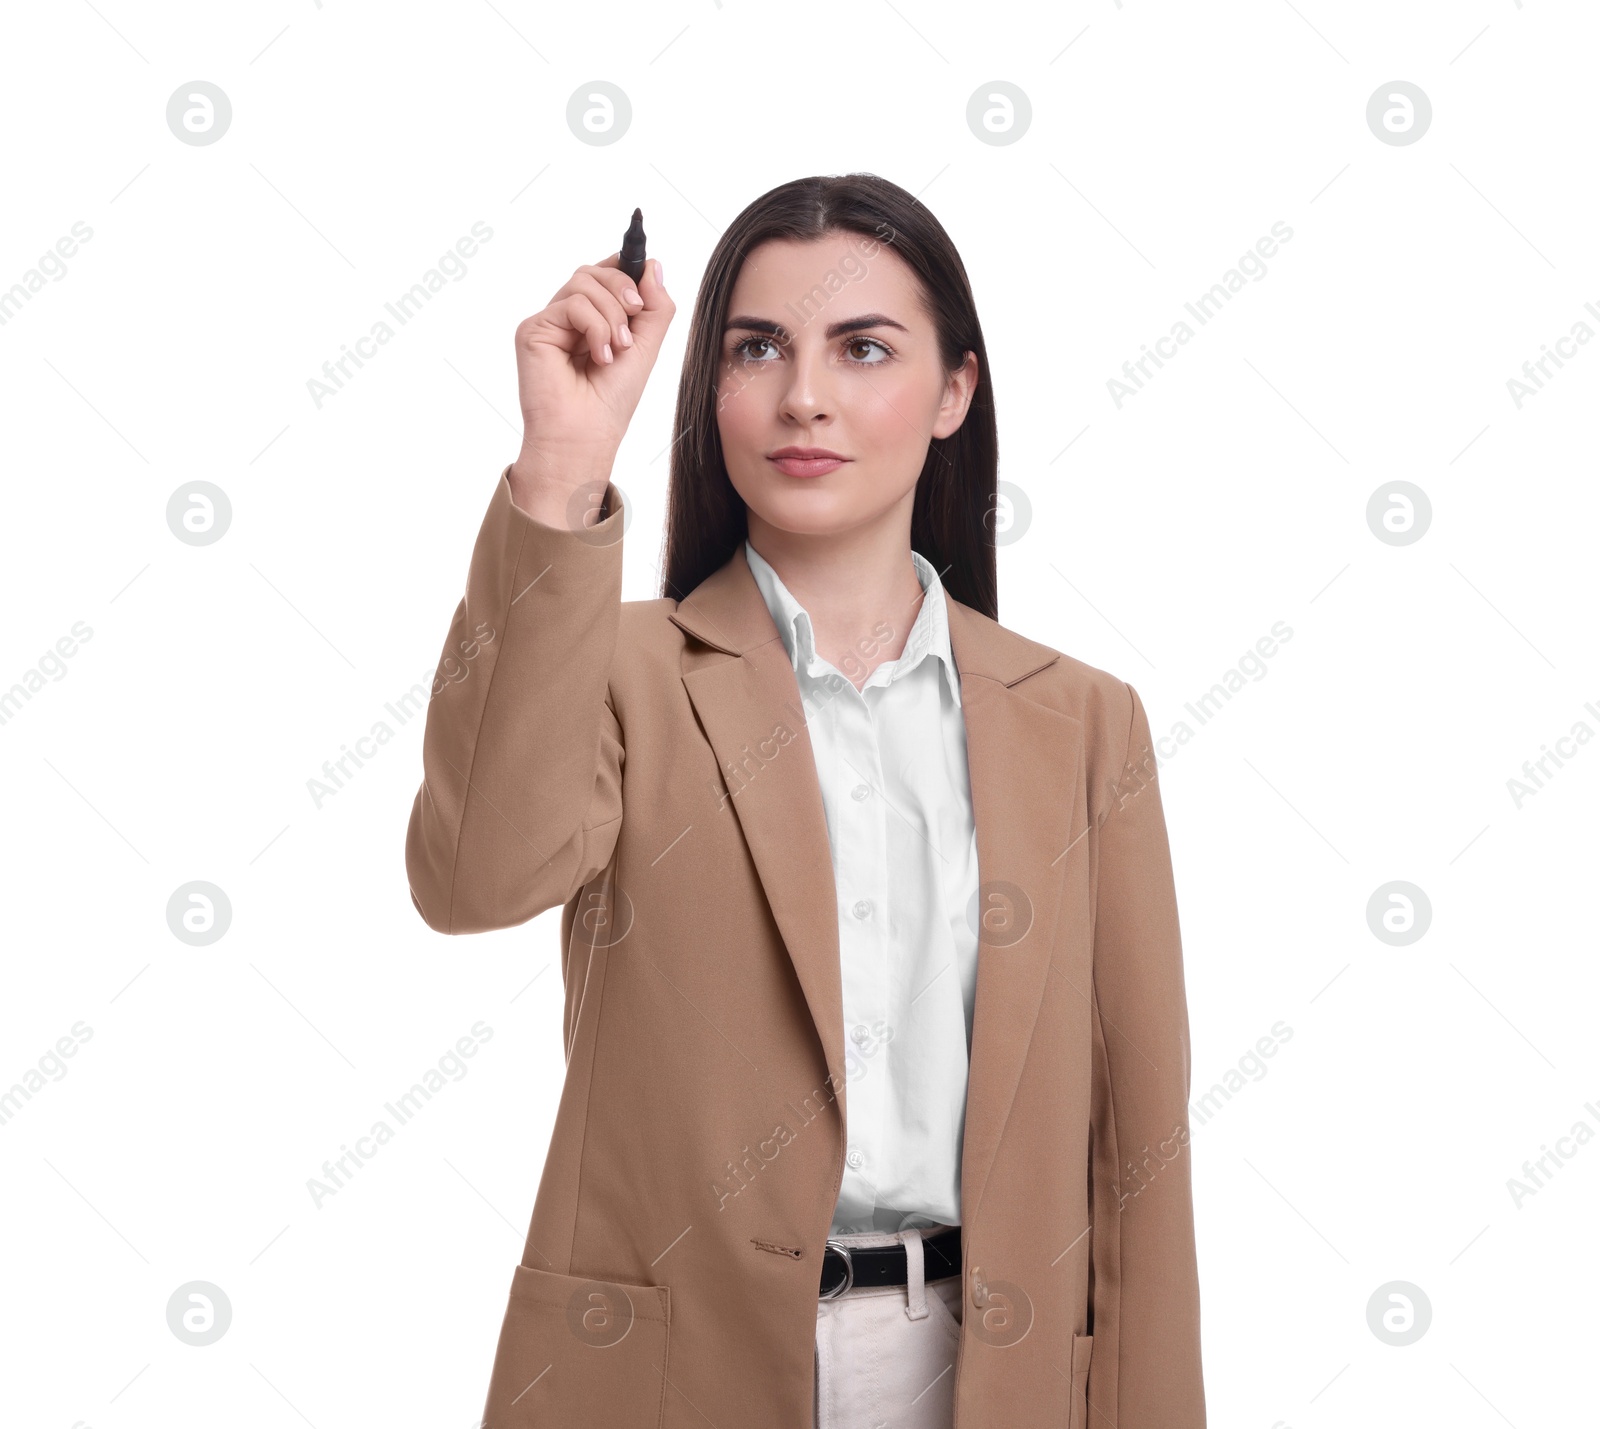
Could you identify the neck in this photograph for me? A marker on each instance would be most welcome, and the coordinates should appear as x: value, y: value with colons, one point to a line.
x: 859, y: 587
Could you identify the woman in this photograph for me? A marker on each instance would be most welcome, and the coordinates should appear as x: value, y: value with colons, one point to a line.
x: 875, y: 1108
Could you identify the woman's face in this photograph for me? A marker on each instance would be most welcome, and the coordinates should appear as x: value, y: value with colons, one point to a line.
x: 828, y: 347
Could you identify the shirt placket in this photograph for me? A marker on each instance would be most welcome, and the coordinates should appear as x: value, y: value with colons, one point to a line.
x: 864, y: 925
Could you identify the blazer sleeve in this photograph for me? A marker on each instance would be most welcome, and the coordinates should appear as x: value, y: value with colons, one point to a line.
x: 522, y: 754
x: 1145, y: 1372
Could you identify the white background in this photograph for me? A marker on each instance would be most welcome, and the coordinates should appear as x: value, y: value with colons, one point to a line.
x: 1167, y: 537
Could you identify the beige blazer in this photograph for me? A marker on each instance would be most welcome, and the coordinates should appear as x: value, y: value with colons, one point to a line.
x: 646, y: 765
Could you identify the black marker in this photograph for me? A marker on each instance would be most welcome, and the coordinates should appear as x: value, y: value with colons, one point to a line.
x: 631, y: 259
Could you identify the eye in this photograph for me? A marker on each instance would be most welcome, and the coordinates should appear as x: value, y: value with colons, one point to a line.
x: 869, y: 342
x: 742, y: 348
x: 745, y: 349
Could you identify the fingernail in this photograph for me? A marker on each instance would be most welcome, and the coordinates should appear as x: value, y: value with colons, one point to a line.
x: 624, y: 336
x: 660, y: 276
x: 605, y: 352
x: 632, y: 296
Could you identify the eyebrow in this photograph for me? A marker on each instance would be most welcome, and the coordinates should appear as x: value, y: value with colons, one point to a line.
x: 838, y: 329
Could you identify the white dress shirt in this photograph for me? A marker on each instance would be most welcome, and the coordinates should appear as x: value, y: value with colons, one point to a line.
x: 892, y: 763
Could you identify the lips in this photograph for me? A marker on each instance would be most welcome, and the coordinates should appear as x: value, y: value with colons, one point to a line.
x: 806, y: 461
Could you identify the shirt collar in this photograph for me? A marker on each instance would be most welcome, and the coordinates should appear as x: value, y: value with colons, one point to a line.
x: 930, y: 632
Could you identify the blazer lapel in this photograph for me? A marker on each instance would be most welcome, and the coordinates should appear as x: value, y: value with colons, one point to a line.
x: 1023, y: 762
x: 748, y: 702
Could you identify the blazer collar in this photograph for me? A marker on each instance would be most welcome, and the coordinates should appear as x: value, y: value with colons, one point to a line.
x: 1023, y: 759
x: 727, y: 612
x: 928, y: 638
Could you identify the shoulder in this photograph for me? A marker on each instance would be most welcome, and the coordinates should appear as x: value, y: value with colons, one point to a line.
x: 1101, y: 701
x: 646, y: 632
x: 1109, y: 716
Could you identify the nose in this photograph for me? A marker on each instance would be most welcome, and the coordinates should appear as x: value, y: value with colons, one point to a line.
x: 807, y: 394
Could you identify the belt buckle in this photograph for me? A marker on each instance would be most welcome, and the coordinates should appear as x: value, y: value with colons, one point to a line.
x: 843, y: 1251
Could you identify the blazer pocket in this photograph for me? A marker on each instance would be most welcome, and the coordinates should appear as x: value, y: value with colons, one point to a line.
x: 578, y: 1351
x: 1078, y: 1412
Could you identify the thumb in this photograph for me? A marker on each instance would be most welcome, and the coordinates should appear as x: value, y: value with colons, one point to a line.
x: 651, y: 321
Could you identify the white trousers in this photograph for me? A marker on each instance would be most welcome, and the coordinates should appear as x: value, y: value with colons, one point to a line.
x: 886, y: 1355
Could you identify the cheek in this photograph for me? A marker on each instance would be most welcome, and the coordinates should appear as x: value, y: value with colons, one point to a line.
x: 890, y: 412
x: 740, y: 419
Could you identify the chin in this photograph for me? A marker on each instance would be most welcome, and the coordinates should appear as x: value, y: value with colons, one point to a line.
x: 807, y: 519
x: 809, y: 506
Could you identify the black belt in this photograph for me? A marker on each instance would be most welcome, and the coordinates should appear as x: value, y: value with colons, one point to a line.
x: 847, y: 1266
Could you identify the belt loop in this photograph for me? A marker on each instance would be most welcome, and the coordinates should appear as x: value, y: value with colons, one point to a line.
x: 916, y: 1286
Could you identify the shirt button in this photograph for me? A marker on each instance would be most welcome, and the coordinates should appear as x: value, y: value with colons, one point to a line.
x: 860, y: 792
x: 856, y: 1159
x: 862, y: 908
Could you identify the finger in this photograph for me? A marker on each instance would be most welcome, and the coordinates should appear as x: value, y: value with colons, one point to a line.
x: 650, y: 323
x: 579, y: 314
x: 609, y: 272
x: 590, y: 283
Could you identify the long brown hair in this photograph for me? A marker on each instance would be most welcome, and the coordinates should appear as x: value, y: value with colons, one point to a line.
x: 953, y: 509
